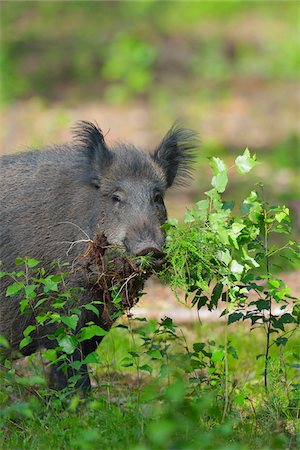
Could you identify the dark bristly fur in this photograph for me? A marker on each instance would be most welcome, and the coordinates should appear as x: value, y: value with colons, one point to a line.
x: 61, y: 195
x: 176, y: 153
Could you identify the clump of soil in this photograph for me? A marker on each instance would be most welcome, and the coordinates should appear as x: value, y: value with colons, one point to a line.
x: 114, y: 276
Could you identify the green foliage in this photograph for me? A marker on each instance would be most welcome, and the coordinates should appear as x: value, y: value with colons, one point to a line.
x: 120, y: 50
x: 217, y: 255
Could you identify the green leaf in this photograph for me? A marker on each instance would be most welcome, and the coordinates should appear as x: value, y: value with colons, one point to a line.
x: 24, y: 304
x: 218, y: 354
x: 224, y: 256
x: 28, y: 330
x: 70, y: 321
x: 202, y: 209
x: 31, y: 262
x: 217, y: 165
x: 234, y: 317
x: 50, y: 354
x: 244, y: 163
x: 146, y: 368
x: 281, y: 341
x: 172, y: 222
x: 262, y: 304
x: 40, y: 302
x: 19, y: 261
x: 154, y: 354
x: 91, y: 331
x: 24, y: 342
x: 68, y: 344
x: 274, y: 283
x: 92, y: 308
x: 240, y: 399
x: 296, y: 311
x: 29, y: 290
x: 216, y: 293
x: 14, y: 288
x: 189, y: 217
x: 220, y: 179
x: 282, y: 214
x: 4, y: 342
x: 287, y: 318
x: 92, y: 358
x: 236, y: 268
x: 198, y: 346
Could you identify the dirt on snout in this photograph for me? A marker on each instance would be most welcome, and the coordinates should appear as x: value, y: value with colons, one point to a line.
x: 118, y: 278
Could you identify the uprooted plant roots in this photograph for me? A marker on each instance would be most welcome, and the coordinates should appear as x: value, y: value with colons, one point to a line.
x: 114, y: 276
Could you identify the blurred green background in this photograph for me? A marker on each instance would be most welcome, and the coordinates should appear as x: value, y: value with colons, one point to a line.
x: 229, y: 69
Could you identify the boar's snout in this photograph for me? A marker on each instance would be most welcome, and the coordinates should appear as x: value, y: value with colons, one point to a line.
x: 155, y: 253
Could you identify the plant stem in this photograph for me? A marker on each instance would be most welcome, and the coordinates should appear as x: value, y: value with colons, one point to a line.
x: 270, y: 307
x: 226, y: 374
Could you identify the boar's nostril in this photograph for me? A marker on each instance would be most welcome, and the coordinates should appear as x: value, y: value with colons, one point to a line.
x: 155, y: 253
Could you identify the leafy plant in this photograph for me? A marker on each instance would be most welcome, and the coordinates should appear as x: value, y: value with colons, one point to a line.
x: 220, y: 255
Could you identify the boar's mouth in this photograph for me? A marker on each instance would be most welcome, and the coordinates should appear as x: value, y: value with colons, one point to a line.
x: 108, y: 269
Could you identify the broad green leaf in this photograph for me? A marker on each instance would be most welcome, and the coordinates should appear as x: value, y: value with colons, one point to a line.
x: 217, y: 165
x: 68, y: 344
x: 189, y: 217
x: 240, y: 399
x: 202, y: 209
x: 274, y: 283
x: 50, y: 354
x: 146, y: 368
x: 216, y: 293
x: 4, y: 342
x: 282, y: 215
x: 236, y: 268
x: 29, y: 290
x: 14, y: 288
x: 92, y: 358
x: 244, y: 163
x: 173, y: 222
x: 234, y: 317
x: 225, y: 256
x: 28, y: 330
x: 50, y: 285
x: 220, y: 181
x: 281, y: 341
x: 220, y: 178
x: 91, y: 331
x: 24, y: 342
x: 237, y: 227
x: 19, y: 261
x: 24, y: 304
x: 154, y: 354
x: 92, y: 308
x: 218, y: 354
x: 31, y: 262
x: 70, y: 321
x: 262, y: 304
x: 40, y: 302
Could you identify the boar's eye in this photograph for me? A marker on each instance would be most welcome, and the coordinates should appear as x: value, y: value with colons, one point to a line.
x: 116, y: 198
x: 158, y: 198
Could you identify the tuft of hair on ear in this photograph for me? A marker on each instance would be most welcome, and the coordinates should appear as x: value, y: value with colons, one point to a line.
x: 176, y: 154
x: 90, y: 137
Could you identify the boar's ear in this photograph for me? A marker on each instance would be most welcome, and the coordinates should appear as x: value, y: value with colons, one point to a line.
x: 90, y: 137
x: 176, y: 153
